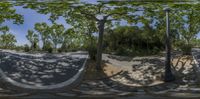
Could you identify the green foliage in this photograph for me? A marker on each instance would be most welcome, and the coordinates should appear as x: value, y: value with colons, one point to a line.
x: 67, y: 40
x: 91, y: 46
x: 89, y: 18
x: 92, y: 52
x: 55, y: 8
x: 131, y: 40
x: 56, y: 34
x: 33, y: 39
x: 9, y: 13
x: 196, y: 42
x: 19, y: 48
x: 26, y: 48
x: 60, y: 50
x: 184, y: 47
x: 7, y: 40
x: 48, y: 47
x: 43, y: 30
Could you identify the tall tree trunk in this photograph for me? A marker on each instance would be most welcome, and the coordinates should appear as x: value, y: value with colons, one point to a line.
x: 147, y: 47
x: 100, y: 44
x: 55, y: 47
x: 44, y: 45
x: 168, y: 74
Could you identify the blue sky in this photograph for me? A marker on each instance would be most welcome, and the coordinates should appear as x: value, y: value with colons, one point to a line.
x: 30, y: 18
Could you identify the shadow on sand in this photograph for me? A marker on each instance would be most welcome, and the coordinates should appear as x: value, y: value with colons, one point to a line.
x: 41, y: 70
x: 152, y: 69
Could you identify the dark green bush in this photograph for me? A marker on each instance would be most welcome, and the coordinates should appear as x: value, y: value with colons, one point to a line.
x: 186, y: 49
x: 48, y: 47
x: 155, y: 50
x: 92, y: 50
x: 26, y: 48
x: 60, y: 50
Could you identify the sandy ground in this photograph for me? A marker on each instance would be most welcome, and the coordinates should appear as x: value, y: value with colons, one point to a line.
x: 146, y: 71
x: 133, y: 72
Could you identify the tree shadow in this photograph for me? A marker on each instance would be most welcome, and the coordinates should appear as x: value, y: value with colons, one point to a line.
x: 152, y: 70
x: 183, y: 67
x: 120, y: 58
x: 48, y: 69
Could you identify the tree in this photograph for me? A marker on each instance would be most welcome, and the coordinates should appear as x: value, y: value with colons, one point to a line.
x: 33, y: 39
x: 67, y: 39
x: 56, y: 34
x: 55, y: 8
x: 101, y: 14
x: 108, y: 11
x: 7, y: 40
x: 8, y: 13
x: 190, y: 22
x: 85, y: 27
x: 43, y: 29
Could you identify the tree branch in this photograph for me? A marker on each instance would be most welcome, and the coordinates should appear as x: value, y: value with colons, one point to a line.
x: 111, y: 14
x: 88, y: 15
x: 99, y: 8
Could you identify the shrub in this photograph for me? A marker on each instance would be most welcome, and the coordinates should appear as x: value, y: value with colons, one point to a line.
x: 124, y: 51
x: 92, y: 50
x: 50, y: 50
x: 26, y: 48
x: 155, y: 50
x: 48, y: 47
x: 60, y: 50
x: 186, y: 49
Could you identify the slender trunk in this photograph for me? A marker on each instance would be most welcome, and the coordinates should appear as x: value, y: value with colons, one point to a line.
x: 55, y: 47
x: 44, y: 43
x: 91, y: 40
x: 100, y: 44
x: 168, y: 74
x: 188, y: 41
x: 90, y: 47
x: 147, y: 47
x: 63, y: 46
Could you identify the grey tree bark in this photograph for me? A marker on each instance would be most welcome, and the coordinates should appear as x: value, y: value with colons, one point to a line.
x: 101, y: 25
x: 168, y: 74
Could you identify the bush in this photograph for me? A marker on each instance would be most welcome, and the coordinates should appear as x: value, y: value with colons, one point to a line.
x: 60, y: 50
x: 19, y: 48
x: 26, y: 48
x: 48, y: 47
x: 92, y: 50
x: 125, y: 51
x: 50, y: 50
x: 90, y: 46
x: 186, y: 49
x: 155, y: 50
